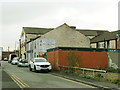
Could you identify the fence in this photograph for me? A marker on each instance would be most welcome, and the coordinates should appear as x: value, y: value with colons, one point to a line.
x: 76, y: 70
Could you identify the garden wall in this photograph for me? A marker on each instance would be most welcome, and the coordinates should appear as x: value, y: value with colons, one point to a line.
x: 88, y: 59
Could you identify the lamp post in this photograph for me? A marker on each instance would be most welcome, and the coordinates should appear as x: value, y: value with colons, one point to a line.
x: 15, y: 47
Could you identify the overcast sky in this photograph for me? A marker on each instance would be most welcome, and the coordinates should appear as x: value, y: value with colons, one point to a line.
x: 84, y: 14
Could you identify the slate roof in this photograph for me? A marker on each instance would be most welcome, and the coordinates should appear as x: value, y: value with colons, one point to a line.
x: 105, y: 36
x: 91, y: 32
x: 32, y: 30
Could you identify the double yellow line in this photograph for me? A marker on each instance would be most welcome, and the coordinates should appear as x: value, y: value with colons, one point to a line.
x: 19, y: 82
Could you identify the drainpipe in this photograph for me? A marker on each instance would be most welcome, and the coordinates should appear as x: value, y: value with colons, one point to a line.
x: 53, y: 58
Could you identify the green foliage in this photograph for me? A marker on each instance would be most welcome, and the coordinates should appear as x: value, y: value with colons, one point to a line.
x: 116, y: 81
x: 99, y: 68
x: 110, y: 69
x: 87, y: 77
x: 73, y: 60
x: 99, y: 75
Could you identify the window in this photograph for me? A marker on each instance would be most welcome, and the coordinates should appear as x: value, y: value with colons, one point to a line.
x: 101, y: 45
x: 35, y: 45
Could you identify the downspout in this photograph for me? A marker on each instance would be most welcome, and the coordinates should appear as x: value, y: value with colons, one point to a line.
x: 53, y: 58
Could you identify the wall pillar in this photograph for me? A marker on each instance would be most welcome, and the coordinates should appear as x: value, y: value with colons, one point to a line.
x: 108, y: 43
x: 97, y: 44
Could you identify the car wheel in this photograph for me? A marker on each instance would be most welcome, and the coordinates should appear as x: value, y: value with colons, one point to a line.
x: 30, y: 68
x: 18, y: 65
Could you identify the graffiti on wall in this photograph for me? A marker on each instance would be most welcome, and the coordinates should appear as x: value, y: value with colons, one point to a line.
x: 45, y: 44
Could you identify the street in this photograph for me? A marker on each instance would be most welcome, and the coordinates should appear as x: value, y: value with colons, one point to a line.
x: 21, y: 77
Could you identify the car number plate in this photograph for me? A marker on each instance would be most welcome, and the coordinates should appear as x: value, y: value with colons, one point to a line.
x: 44, y: 68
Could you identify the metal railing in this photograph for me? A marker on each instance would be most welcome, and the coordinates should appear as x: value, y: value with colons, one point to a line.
x: 83, y: 70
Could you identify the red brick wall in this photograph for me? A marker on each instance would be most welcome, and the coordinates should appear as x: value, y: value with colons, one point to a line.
x: 50, y: 58
x: 88, y: 59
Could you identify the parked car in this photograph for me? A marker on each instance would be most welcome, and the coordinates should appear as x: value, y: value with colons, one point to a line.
x: 22, y: 62
x: 11, y: 56
x: 38, y: 64
x: 5, y: 59
x: 15, y: 60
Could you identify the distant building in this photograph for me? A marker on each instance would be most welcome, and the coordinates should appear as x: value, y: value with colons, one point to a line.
x: 91, y: 33
x: 106, y: 40
x: 63, y: 35
x: 27, y: 34
x: 6, y: 53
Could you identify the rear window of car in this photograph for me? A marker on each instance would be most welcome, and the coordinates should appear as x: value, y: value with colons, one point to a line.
x: 17, y: 58
x: 24, y: 61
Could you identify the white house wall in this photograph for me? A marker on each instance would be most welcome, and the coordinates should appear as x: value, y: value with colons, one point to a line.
x: 42, y: 44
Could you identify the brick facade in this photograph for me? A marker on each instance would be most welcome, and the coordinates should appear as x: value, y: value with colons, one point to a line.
x: 89, y: 59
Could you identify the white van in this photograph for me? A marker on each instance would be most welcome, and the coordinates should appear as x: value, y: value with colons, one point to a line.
x: 11, y: 56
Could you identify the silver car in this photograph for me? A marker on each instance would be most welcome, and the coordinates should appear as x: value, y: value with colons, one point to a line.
x: 22, y: 62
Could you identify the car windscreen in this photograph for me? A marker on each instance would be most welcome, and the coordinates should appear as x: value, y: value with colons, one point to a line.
x: 40, y: 60
x: 24, y: 61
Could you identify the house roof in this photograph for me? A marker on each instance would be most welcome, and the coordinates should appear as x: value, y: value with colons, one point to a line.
x: 91, y: 32
x: 32, y: 30
x: 105, y: 36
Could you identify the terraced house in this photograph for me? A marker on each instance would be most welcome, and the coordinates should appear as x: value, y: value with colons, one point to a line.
x: 108, y: 40
x: 27, y: 34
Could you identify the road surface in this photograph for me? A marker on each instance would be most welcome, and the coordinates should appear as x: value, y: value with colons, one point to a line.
x: 21, y: 77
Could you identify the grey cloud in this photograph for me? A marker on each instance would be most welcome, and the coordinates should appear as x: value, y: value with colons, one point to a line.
x: 20, y: 12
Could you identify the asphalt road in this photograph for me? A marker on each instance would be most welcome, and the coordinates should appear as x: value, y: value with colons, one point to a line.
x: 21, y: 77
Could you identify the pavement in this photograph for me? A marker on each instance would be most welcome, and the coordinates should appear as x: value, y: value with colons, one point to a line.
x: 95, y: 83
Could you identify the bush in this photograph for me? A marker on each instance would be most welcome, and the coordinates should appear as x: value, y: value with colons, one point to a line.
x: 99, y: 75
x: 110, y: 69
x: 118, y: 70
x: 116, y: 81
x: 73, y: 60
x: 99, y: 68
x: 87, y: 77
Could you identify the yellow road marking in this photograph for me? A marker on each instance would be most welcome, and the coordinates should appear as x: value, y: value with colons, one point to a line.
x: 22, y: 81
x: 18, y: 81
x: 72, y: 81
